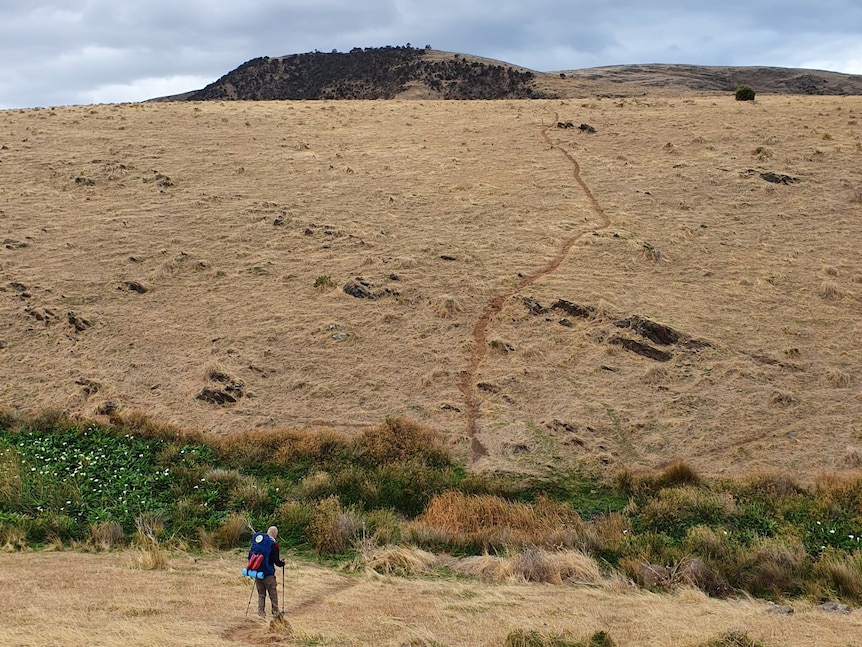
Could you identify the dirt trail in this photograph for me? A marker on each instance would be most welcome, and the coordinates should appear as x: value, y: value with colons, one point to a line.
x: 467, y: 384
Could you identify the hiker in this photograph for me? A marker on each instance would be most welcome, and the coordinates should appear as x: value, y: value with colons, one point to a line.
x: 268, y: 583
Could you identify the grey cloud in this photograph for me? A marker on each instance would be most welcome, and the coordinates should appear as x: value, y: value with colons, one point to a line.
x: 60, y: 51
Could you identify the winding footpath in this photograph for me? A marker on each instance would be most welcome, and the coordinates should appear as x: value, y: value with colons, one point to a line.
x: 467, y: 384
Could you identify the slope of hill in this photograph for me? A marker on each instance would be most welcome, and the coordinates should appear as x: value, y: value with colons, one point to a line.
x: 407, y: 72
x: 370, y: 73
x: 248, y: 265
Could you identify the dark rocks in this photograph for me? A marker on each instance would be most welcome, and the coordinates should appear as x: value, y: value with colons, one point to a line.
x: 565, y: 124
x: 586, y: 128
x: 356, y: 289
x: 228, y: 394
x: 534, y: 306
x: 21, y: 289
x: 80, y: 323
x: 834, y: 607
x: 11, y: 243
x: 84, y: 181
x: 655, y: 332
x: 573, y: 309
x: 778, y: 178
x: 215, y: 396
x: 134, y: 286
x: 645, y: 350
x: 488, y: 388
x: 447, y: 257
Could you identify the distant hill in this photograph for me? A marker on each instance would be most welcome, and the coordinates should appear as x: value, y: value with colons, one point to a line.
x: 370, y: 73
x: 408, y: 72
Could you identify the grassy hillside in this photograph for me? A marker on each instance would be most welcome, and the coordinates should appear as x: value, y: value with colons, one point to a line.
x: 190, y: 260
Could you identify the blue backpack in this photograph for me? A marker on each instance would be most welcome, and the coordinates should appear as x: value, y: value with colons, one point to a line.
x: 258, y: 566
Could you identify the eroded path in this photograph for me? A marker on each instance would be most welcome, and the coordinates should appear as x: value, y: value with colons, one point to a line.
x: 467, y: 383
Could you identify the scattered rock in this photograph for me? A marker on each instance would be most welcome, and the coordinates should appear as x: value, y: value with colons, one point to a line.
x: 565, y: 124
x: 489, y: 388
x: 502, y: 346
x: 134, y: 286
x: 777, y: 178
x: 573, y: 309
x: 450, y: 407
x: 84, y: 181
x: 340, y: 336
x: 11, y: 243
x: 559, y: 425
x: 780, y: 609
x: 80, y: 323
x: 586, y: 128
x: 655, y: 332
x: 358, y: 290
x: 834, y: 607
x: 215, y: 396
x: 41, y: 314
x: 566, y: 322
x: 534, y: 306
x: 446, y: 257
x: 645, y: 350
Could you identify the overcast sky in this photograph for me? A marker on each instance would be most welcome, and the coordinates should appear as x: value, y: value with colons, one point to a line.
x: 71, y: 52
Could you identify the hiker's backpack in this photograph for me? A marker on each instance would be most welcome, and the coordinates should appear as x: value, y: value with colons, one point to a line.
x: 258, y: 566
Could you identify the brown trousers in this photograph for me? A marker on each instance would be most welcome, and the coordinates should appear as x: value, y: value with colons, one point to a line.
x: 264, y: 586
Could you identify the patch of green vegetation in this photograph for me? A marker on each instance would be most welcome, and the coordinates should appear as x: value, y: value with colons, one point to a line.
x: 74, y: 481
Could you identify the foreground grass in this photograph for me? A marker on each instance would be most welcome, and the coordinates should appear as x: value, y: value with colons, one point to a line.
x: 134, y: 482
x: 105, y: 600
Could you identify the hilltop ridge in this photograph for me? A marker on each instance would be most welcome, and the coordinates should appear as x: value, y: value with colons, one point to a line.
x: 406, y: 72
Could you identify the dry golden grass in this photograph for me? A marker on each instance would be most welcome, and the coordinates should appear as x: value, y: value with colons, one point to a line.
x: 453, y: 207
x: 101, y: 600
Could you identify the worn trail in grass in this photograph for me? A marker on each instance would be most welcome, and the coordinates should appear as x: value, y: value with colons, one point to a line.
x: 480, y: 330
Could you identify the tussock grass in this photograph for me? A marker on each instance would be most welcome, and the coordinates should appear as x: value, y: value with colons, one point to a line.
x: 397, y: 560
x: 486, y: 521
x: 106, y: 534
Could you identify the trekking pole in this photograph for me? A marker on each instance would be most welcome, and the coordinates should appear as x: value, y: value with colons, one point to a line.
x: 282, y: 590
x: 249, y: 599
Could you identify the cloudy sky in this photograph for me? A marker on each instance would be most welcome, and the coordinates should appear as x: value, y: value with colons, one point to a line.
x: 109, y: 51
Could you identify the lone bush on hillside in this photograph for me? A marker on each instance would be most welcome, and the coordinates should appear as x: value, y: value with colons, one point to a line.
x: 744, y: 93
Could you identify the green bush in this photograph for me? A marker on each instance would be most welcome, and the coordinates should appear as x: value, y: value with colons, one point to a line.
x: 744, y: 93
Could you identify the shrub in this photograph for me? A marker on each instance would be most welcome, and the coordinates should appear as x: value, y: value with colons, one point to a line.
x: 104, y: 535
x: 770, y: 568
x: 332, y: 528
x: 294, y: 520
x: 231, y: 532
x: 841, y: 575
x: 744, y: 93
x: 399, y: 440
